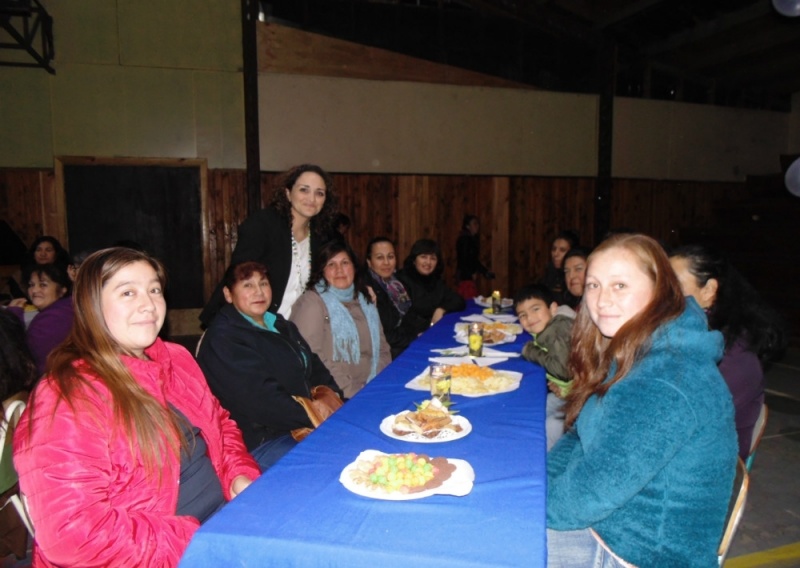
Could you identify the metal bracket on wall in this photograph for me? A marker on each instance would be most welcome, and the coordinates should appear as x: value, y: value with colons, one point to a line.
x: 26, y: 21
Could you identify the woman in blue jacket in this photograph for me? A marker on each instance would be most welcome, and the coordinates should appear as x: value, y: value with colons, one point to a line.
x: 645, y: 472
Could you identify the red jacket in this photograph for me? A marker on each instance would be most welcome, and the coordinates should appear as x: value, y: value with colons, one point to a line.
x: 89, y: 497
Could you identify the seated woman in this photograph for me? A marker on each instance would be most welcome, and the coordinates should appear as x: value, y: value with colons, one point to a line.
x: 255, y: 361
x: 48, y: 250
x: 753, y: 331
x: 123, y: 450
x: 339, y: 321
x: 17, y: 375
x: 645, y: 472
x: 48, y: 288
x: 575, y: 276
x: 391, y: 296
x: 554, y: 272
x: 430, y: 296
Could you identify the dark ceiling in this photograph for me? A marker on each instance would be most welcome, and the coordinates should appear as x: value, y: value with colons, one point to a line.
x: 738, y: 53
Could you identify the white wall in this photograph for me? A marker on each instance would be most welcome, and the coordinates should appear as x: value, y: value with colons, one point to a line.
x: 680, y: 141
x: 355, y: 125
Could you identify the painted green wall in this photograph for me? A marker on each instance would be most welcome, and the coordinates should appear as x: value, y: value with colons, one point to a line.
x: 136, y: 78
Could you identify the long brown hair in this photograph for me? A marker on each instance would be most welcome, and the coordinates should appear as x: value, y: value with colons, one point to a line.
x: 322, y: 222
x: 147, y: 424
x: 593, y: 354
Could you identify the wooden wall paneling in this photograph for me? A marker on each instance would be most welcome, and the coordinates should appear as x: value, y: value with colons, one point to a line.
x: 54, y: 209
x: 409, y: 223
x: 21, y: 202
x: 632, y: 205
x: 283, y: 49
x: 500, y: 226
x: 540, y: 208
x: 370, y: 200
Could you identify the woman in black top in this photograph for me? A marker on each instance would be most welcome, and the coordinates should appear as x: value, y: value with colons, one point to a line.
x: 430, y: 296
x: 285, y: 236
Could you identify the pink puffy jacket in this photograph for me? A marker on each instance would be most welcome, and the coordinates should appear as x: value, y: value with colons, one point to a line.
x: 89, y: 498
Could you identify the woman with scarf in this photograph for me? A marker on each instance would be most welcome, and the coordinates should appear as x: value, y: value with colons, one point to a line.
x: 390, y: 295
x: 430, y: 296
x: 338, y: 319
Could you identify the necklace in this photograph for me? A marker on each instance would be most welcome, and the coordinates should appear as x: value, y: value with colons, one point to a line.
x: 302, y: 279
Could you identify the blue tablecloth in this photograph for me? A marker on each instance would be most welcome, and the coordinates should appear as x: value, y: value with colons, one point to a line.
x: 299, y: 514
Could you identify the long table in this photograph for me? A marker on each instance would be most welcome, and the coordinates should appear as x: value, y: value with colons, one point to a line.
x: 298, y: 513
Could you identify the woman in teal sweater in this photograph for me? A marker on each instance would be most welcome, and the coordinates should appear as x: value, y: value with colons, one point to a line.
x: 644, y: 475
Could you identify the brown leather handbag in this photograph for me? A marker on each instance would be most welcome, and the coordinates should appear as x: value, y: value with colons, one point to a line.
x: 323, y: 402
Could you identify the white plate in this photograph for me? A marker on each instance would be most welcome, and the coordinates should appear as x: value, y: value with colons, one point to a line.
x: 507, y: 338
x: 459, y: 483
x: 416, y: 384
x: 487, y: 302
x: 505, y: 318
x: 442, y: 436
x: 507, y: 328
x: 464, y: 352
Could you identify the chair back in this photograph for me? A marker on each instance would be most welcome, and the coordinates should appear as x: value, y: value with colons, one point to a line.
x: 758, y: 433
x: 741, y: 484
x: 8, y: 475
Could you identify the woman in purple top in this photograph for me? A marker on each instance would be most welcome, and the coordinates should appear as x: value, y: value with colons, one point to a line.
x: 48, y: 288
x: 754, y: 333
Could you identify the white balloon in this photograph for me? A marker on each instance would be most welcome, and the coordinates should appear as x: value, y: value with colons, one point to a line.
x: 792, y: 178
x: 790, y: 8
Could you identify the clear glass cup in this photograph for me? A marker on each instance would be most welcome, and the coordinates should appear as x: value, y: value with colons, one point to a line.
x: 440, y: 382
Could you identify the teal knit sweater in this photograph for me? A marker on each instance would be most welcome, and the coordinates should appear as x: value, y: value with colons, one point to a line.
x: 650, y: 465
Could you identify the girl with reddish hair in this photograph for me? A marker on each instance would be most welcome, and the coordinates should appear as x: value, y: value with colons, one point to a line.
x: 644, y: 474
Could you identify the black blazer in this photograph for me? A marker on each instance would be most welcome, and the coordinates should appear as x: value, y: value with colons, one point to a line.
x: 265, y: 237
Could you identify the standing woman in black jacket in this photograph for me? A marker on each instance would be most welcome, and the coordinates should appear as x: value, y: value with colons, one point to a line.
x: 468, y: 258
x: 286, y: 236
x: 430, y: 296
x: 255, y: 361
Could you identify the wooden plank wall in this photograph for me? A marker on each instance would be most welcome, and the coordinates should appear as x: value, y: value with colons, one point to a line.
x: 520, y: 215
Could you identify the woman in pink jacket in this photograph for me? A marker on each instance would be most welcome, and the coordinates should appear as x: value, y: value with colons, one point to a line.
x: 123, y: 450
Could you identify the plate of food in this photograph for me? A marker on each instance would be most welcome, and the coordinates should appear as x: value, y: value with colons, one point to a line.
x: 430, y: 423
x: 508, y: 328
x: 401, y: 477
x: 471, y: 380
x: 486, y: 302
x: 491, y: 336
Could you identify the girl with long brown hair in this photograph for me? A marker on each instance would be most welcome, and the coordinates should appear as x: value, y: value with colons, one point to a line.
x: 644, y: 474
x: 123, y: 450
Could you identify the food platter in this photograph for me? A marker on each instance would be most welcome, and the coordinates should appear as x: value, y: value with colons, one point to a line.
x: 504, y: 327
x: 458, y: 484
x: 499, y: 382
x: 443, y: 435
x: 486, y: 302
x: 501, y: 339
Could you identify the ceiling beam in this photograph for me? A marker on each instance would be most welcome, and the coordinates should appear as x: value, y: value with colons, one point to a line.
x: 711, y: 28
x: 631, y: 10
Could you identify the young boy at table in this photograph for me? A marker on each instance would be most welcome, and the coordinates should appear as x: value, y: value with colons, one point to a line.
x: 551, y: 328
